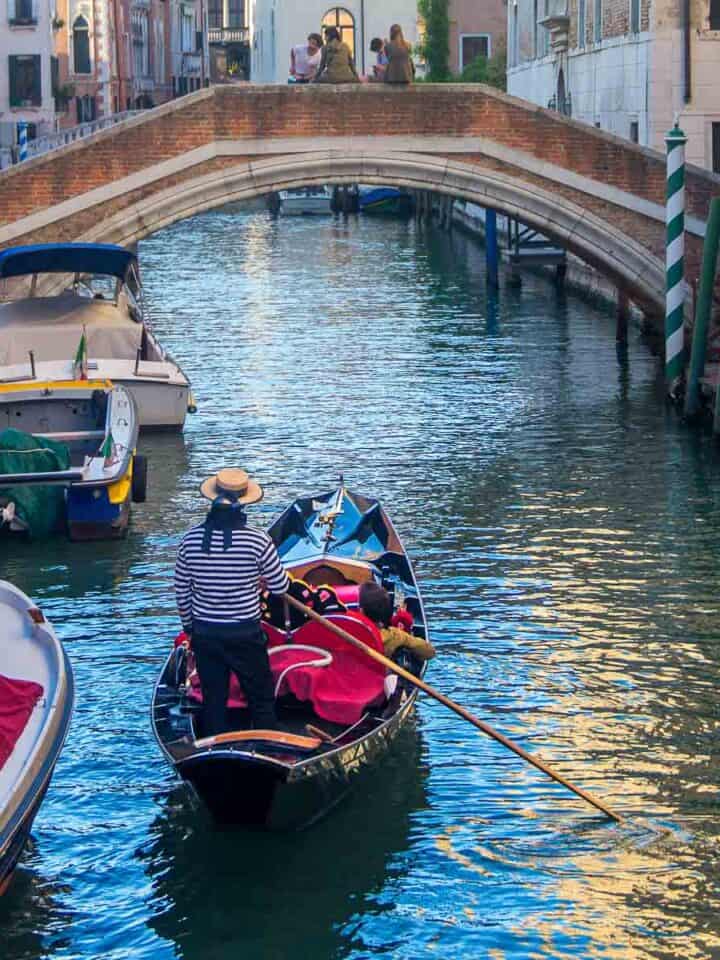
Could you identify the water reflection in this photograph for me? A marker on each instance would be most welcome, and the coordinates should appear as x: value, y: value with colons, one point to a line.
x: 284, y: 893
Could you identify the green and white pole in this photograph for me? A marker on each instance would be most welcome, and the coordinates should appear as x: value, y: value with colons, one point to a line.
x: 674, y: 254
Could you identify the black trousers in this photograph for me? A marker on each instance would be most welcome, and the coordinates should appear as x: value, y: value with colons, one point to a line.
x: 242, y: 648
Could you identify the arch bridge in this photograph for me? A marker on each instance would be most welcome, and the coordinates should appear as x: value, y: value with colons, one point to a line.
x: 599, y: 196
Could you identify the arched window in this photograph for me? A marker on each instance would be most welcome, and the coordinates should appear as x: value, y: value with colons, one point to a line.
x: 345, y: 22
x: 81, y: 46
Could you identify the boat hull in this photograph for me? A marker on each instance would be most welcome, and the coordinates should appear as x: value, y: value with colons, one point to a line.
x: 260, y: 791
x: 161, y: 406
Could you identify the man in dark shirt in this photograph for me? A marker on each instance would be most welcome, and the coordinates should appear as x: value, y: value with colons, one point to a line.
x: 218, y: 572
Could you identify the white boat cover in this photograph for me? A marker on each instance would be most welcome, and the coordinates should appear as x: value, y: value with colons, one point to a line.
x: 52, y: 327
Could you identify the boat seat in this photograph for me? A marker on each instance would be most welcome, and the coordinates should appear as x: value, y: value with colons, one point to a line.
x: 340, y: 689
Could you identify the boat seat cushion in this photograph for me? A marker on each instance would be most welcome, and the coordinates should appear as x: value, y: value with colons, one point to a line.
x: 17, y: 702
x: 339, y: 692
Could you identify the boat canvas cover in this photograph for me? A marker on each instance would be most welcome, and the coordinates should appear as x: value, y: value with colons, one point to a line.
x: 41, y: 508
x: 17, y: 702
x: 52, y: 327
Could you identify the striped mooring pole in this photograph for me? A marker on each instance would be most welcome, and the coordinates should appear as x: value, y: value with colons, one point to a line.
x: 22, y: 141
x: 675, y: 140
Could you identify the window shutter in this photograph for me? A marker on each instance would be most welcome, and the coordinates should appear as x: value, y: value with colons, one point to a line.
x: 14, y: 99
x: 37, y: 80
x: 11, y: 10
x: 35, y: 14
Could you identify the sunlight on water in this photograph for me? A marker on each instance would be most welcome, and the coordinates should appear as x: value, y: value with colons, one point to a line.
x: 566, y: 534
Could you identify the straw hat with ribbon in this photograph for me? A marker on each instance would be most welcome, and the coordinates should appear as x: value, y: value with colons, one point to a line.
x: 234, y: 484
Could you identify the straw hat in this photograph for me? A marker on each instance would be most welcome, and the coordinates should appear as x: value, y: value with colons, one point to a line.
x: 234, y: 482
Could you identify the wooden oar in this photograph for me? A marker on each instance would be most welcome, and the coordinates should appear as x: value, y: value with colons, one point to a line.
x: 446, y: 701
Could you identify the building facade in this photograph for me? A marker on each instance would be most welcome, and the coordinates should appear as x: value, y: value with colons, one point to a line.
x: 229, y: 40
x: 476, y: 29
x: 627, y: 66
x: 26, y: 69
x: 278, y: 25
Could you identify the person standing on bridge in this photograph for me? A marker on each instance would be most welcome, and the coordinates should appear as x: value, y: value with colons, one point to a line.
x: 400, y: 66
x: 336, y: 64
x: 305, y: 59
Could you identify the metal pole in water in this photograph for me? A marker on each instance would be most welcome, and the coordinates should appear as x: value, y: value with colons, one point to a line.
x: 675, y: 141
x: 491, y: 247
x: 703, y: 309
x: 22, y: 128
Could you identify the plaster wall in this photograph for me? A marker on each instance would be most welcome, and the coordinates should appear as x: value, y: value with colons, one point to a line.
x: 36, y: 39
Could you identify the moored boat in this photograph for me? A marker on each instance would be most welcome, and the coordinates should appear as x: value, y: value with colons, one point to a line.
x: 305, y: 201
x: 386, y: 201
x: 68, y: 459
x: 338, y: 711
x: 96, y: 321
x: 36, y: 693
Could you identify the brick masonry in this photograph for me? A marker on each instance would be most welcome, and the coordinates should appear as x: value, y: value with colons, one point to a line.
x: 232, y: 113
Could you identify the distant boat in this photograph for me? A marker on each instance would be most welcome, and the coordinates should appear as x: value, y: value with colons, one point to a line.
x: 388, y: 201
x: 305, y: 201
x: 101, y: 305
x: 68, y: 459
x: 37, y: 695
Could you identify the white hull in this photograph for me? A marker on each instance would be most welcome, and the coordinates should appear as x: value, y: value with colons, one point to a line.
x: 160, y: 389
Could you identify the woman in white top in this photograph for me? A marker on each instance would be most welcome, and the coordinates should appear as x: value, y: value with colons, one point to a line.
x: 305, y: 59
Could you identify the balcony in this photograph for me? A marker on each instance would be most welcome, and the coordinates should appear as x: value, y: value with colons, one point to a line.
x: 191, y: 64
x: 228, y: 35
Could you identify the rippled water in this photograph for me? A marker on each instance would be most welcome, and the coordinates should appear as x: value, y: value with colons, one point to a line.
x: 566, y: 535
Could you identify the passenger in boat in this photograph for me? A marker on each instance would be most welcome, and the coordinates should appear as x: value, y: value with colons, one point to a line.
x: 336, y: 63
x: 376, y: 604
x: 305, y: 59
x: 218, y: 573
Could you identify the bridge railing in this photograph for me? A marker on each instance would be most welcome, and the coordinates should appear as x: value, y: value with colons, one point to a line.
x: 51, y: 141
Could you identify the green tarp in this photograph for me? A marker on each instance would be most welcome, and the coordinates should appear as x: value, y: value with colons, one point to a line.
x: 41, y: 507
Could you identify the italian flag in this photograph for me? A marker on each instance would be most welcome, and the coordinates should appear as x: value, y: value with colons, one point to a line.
x: 107, y: 450
x: 80, y: 363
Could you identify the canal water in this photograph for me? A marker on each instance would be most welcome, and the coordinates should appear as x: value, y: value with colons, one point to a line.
x: 566, y: 534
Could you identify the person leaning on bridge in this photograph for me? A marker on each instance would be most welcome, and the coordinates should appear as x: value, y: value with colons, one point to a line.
x: 336, y: 64
x: 400, y: 67
x: 218, y: 572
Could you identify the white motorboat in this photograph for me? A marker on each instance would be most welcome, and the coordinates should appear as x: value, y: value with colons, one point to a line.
x: 94, y: 327
x: 301, y: 201
x: 36, y: 693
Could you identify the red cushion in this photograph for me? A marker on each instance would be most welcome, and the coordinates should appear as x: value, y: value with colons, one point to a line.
x: 340, y: 692
x: 348, y: 593
x: 17, y: 702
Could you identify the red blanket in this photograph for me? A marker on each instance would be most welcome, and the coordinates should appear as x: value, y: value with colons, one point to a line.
x: 340, y: 692
x: 17, y: 701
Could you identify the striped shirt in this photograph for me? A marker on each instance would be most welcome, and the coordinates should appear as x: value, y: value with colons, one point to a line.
x: 223, y: 586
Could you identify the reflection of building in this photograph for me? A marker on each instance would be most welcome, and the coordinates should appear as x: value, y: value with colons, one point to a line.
x: 279, y: 25
x: 624, y: 65
x: 476, y: 30
x: 228, y: 35
x: 25, y: 68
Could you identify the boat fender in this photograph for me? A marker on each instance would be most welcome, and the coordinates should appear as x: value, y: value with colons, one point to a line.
x: 192, y: 406
x: 7, y: 514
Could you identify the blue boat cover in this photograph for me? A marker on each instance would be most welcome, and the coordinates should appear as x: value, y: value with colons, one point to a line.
x: 105, y: 259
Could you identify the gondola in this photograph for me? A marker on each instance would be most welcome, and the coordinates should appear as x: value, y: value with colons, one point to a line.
x: 36, y: 694
x: 338, y: 711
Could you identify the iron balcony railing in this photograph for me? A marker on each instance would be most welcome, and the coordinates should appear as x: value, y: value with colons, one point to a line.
x: 228, y: 35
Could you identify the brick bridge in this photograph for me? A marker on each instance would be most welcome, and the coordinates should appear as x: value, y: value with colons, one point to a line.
x: 597, y: 195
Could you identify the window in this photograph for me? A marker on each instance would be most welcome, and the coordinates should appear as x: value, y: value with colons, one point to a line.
x: 86, y: 109
x: 345, y: 22
x: 597, y: 21
x: 21, y: 12
x: 716, y: 147
x: 25, y: 90
x: 81, y: 46
x: 141, y: 48
x: 215, y: 14
x: 634, y: 131
x: 472, y: 46
x: 581, y: 24
x: 546, y: 32
x: 236, y: 13
x: 715, y: 14
x: 634, y: 16
x: 515, y: 49
x: 187, y: 31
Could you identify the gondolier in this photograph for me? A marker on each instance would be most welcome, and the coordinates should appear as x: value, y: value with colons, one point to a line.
x: 218, y: 573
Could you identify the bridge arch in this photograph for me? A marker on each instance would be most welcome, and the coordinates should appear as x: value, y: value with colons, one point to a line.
x: 604, y: 246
